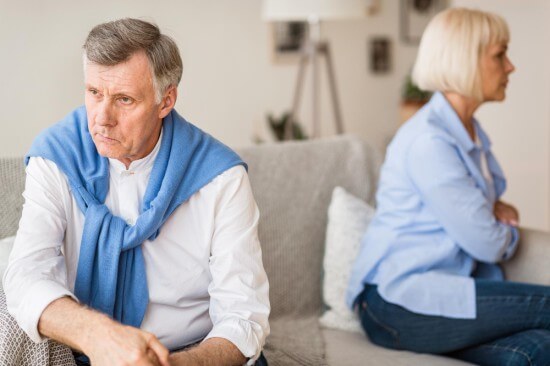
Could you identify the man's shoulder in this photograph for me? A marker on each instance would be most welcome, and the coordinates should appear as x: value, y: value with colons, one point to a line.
x: 47, y: 177
x: 237, y: 172
x: 234, y: 175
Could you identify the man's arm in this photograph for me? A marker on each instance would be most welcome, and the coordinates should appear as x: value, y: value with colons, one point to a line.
x: 213, y: 351
x: 35, y: 283
x: 103, y: 340
x: 239, y: 290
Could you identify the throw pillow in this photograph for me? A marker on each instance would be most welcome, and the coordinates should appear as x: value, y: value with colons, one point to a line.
x: 5, y: 248
x: 348, y: 219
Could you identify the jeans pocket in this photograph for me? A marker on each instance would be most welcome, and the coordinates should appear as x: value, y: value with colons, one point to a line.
x: 378, y: 332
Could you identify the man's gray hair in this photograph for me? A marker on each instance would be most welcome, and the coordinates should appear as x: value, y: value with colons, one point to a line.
x: 111, y: 43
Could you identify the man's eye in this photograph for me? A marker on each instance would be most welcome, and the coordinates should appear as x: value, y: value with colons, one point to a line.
x: 93, y: 92
x: 126, y: 100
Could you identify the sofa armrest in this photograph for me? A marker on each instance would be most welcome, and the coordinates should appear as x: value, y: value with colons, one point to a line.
x: 531, y: 263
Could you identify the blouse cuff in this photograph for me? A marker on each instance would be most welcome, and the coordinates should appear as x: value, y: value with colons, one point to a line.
x: 512, y: 247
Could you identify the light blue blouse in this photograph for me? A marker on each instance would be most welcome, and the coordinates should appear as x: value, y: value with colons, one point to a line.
x: 434, y: 227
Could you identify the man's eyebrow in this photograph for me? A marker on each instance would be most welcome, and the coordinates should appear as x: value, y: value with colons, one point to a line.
x: 128, y: 93
x: 118, y: 93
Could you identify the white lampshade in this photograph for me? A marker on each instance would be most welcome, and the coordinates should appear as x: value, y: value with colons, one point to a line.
x: 303, y: 10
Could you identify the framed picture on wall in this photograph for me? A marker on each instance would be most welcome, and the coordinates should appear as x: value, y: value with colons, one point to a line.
x: 415, y: 15
x: 288, y: 39
x: 380, y: 55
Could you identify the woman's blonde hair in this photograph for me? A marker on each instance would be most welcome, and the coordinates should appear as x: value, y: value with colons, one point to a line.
x: 451, y: 48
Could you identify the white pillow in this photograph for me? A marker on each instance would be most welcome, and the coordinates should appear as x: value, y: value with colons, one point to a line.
x: 5, y: 248
x: 348, y: 219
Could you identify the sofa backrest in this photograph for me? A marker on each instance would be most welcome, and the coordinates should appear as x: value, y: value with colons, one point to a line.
x: 12, y: 182
x: 293, y: 184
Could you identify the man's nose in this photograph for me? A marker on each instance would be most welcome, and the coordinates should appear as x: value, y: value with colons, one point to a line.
x: 104, y: 115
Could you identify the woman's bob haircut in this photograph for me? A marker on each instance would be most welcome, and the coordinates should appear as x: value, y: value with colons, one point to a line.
x: 451, y: 49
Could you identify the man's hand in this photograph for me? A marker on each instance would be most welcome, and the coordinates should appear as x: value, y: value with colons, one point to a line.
x: 112, y: 343
x: 506, y: 213
x: 105, y: 341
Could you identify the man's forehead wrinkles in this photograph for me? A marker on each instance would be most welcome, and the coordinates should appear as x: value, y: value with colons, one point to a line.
x: 112, y: 81
x: 118, y: 80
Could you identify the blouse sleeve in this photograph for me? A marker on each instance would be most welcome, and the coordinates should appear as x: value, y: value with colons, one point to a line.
x: 447, y: 188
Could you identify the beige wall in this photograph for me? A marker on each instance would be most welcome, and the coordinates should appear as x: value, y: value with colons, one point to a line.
x: 229, y: 81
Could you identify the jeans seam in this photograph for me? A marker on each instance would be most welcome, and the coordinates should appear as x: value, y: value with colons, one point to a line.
x: 499, y: 298
x: 392, y: 331
x: 515, y: 350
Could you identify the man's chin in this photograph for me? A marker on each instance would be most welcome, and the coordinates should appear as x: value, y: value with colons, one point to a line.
x: 106, y: 152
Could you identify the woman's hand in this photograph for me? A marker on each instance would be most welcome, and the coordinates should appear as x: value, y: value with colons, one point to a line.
x: 506, y: 213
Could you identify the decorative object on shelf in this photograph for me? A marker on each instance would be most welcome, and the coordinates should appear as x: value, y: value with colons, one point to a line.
x: 313, y: 12
x: 415, y: 15
x: 280, y: 125
x: 412, y: 99
x: 380, y: 55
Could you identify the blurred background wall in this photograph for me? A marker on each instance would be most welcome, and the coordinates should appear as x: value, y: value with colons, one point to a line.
x: 231, y: 79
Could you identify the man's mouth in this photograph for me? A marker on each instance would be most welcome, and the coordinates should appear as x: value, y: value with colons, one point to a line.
x: 105, y: 139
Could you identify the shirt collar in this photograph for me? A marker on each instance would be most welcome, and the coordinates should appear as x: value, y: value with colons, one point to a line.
x: 143, y: 164
x: 482, y: 136
x: 445, y: 117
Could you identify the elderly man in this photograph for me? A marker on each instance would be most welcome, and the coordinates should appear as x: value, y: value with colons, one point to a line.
x: 139, y: 231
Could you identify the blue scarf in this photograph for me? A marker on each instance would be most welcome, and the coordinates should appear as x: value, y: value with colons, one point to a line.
x: 111, y: 270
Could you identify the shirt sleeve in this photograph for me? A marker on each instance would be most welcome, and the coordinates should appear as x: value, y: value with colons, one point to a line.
x: 239, y: 291
x: 36, y: 274
x: 450, y: 192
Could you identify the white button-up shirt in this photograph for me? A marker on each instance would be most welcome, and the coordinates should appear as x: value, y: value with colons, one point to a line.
x: 204, y: 270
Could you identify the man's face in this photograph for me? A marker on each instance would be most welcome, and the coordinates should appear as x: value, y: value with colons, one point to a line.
x: 123, y: 116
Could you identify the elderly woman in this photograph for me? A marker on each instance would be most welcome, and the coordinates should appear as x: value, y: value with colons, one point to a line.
x: 427, y: 277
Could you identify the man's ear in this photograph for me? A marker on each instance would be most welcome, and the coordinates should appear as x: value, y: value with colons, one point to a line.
x: 168, y: 101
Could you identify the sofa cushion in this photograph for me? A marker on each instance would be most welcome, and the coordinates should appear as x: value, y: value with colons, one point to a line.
x: 351, y: 349
x: 293, y: 183
x: 295, y: 341
x: 348, y: 219
x: 530, y: 263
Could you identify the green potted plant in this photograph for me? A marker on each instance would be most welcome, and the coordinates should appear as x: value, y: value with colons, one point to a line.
x: 279, y: 125
x: 412, y: 99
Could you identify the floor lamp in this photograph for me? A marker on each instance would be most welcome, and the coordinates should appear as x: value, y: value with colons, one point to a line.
x: 313, y: 12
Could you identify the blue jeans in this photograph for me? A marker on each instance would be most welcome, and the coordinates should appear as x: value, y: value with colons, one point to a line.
x: 512, y: 326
